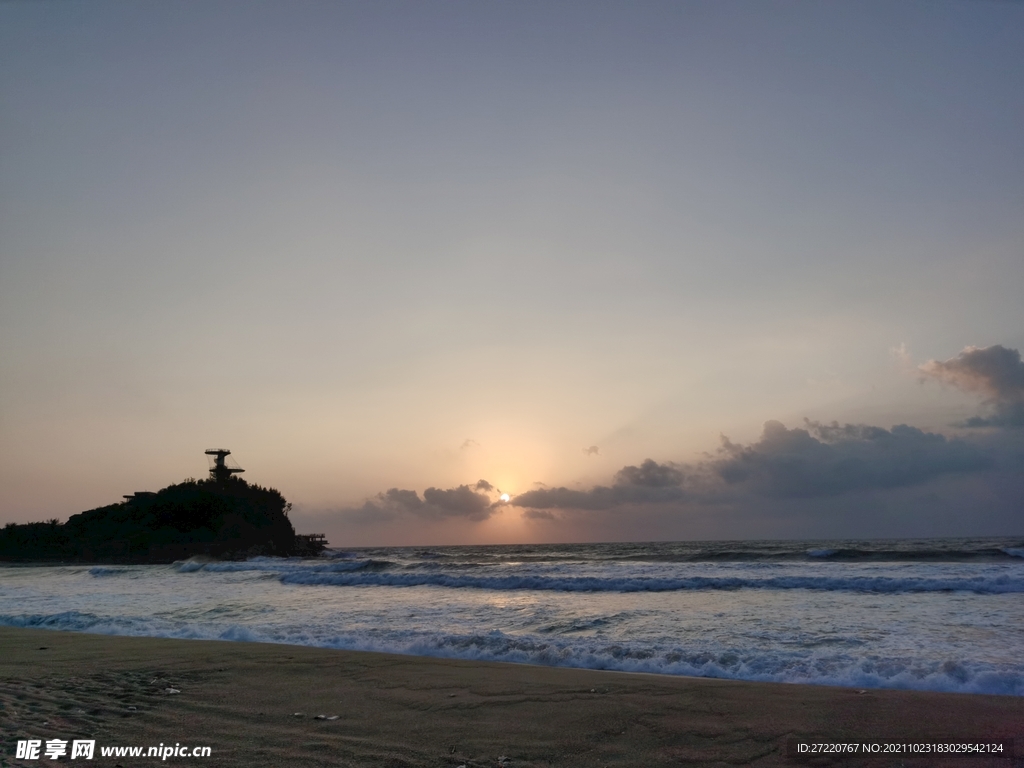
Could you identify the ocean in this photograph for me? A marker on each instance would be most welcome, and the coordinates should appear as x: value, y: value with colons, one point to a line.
x: 941, y: 615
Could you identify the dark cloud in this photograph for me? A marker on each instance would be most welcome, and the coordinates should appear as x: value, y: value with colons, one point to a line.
x: 829, y: 459
x: 997, y: 373
x: 436, y: 504
x: 1007, y: 415
x: 592, y: 451
x: 820, y: 460
x: 649, y: 483
x: 599, y: 497
x: 483, y: 485
x: 408, y: 500
x: 458, y: 502
x: 650, y: 474
x: 994, y: 371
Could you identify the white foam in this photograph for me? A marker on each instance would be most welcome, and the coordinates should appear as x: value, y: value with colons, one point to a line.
x: 735, y: 663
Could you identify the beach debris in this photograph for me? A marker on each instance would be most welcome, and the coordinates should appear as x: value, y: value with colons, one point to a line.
x: 299, y: 714
x: 133, y: 709
x: 171, y: 690
x: 453, y: 749
x: 333, y: 717
x: 504, y: 760
x: 321, y: 717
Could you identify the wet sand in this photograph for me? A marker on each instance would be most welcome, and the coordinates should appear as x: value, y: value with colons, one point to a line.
x: 242, y: 700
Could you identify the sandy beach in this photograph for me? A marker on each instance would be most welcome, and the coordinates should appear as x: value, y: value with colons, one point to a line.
x: 258, y: 705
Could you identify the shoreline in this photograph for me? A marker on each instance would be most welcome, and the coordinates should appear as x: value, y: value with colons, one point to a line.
x: 241, y: 699
x: 863, y: 688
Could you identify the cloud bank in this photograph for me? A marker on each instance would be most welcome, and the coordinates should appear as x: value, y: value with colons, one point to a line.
x: 818, y: 461
x: 649, y: 483
x: 463, y: 502
x: 828, y: 460
x: 816, y: 479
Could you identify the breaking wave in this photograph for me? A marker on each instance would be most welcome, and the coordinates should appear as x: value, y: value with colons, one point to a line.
x: 755, y: 664
x: 282, y: 565
x: 821, y: 574
x: 881, y: 584
x: 103, y: 571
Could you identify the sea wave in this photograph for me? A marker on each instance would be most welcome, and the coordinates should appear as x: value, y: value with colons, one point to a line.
x: 997, y: 584
x: 282, y: 565
x: 105, y: 571
x: 914, y: 555
x: 736, y: 663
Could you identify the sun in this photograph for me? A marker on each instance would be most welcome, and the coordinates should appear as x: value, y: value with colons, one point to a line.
x: 504, y: 497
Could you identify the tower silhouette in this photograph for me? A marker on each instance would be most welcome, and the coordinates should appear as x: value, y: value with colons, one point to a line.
x: 220, y: 472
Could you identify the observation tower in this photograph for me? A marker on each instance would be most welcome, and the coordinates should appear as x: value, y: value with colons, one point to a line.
x: 220, y: 471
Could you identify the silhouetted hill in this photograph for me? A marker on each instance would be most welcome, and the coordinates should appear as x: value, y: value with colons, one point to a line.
x: 226, y: 518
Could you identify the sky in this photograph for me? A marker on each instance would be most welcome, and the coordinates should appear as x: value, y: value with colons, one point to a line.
x: 655, y: 271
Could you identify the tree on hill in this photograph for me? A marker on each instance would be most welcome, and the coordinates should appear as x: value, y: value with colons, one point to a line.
x: 227, y: 518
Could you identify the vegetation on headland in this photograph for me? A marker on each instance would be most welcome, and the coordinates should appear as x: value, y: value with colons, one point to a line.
x: 227, y: 518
